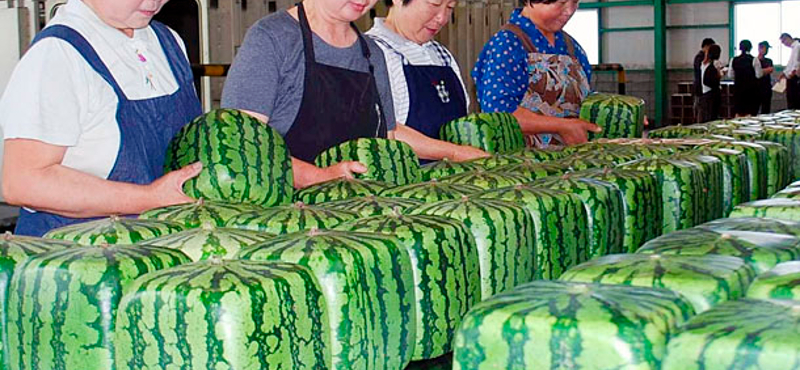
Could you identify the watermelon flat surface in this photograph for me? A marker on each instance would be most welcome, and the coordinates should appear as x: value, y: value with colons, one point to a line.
x: 368, y: 286
x: 339, y: 189
x: 291, y: 218
x: 779, y: 162
x: 745, y: 334
x: 682, y: 185
x: 765, y: 225
x: 63, y: 304
x: 244, y: 160
x: 565, y: 325
x: 705, y: 281
x: 199, y: 213
x: 560, y: 222
x: 431, y: 191
x: 444, y: 168
x: 114, y: 230
x: 782, y: 282
x: 210, y: 242
x: 540, y: 155
x: 372, y: 205
x: 761, y: 250
x: 444, y: 258
x: 486, y: 179
x: 224, y: 315
x: 641, y: 199
x: 736, y: 175
x: 780, y: 208
x: 390, y: 161
x: 503, y: 233
x: 492, y: 132
x: 15, y: 250
x: 604, y: 207
x: 757, y: 165
x: 620, y: 116
x: 533, y: 171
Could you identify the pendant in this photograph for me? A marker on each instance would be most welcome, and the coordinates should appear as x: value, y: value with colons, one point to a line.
x: 441, y: 90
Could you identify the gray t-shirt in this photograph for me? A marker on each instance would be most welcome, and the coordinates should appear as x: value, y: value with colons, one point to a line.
x: 267, y: 74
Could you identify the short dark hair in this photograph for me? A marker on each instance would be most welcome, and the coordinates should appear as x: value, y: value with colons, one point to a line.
x: 785, y: 35
x: 745, y: 45
x: 389, y: 3
x: 714, y: 51
x: 707, y: 41
x: 524, y: 3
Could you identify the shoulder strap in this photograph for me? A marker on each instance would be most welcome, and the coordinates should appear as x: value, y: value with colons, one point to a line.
x: 85, y: 49
x: 178, y: 61
x: 522, y: 36
x: 570, y: 43
x: 389, y: 47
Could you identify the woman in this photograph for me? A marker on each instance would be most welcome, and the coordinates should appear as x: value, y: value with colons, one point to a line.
x: 535, y: 70
x: 311, y: 75
x: 745, y: 70
x: 427, y: 89
x: 88, y: 113
x: 711, y: 99
x: 765, y: 82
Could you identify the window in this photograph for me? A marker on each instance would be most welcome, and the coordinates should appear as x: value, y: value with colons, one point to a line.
x: 584, y: 27
x: 766, y: 21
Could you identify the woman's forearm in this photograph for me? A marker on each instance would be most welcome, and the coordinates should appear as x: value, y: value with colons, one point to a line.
x: 67, y: 192
x: 34, y: 177
x: 430, y: 148
x: 534, y: 123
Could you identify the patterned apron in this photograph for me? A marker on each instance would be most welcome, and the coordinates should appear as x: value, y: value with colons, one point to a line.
x: 557, y: 84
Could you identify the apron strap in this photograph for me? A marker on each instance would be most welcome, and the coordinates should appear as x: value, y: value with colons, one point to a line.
x: 308, y: 41
x: 389, y: 46
x: 570, y: 44
x: 85, y: 49
x: 178, y: 62
x: 522, y: 36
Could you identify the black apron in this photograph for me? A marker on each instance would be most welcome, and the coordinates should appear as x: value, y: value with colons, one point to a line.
x: 765, y: 88
x: 338, y: 104
x: 745, y: 88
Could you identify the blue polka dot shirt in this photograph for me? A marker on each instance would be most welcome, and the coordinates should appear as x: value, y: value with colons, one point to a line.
x: 501, y: 73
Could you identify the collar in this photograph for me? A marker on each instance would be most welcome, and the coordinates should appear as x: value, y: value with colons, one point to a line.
x: 380, y: 30
x: 796, y: 43
x: 530, y: 28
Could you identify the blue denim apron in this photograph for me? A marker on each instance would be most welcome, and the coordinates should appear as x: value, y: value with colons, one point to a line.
x: 435, y: 95
x: 146, y: 126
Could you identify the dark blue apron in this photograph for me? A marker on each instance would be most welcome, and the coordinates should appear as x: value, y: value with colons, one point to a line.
x: 435, y: 95
x: 146, y: 126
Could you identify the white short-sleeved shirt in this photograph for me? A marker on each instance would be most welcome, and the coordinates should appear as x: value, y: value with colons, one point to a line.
x: 55, y: 96
x: 794, y: 59
x: 430, y: 53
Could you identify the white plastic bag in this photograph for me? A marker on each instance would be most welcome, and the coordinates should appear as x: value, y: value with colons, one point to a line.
x: 780, y: 87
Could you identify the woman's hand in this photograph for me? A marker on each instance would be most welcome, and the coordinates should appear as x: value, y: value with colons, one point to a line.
x: 466, y: 153
x: 307, y: 174
x: 168, y: 189
x: 573, y: 130
x: 344, y: 169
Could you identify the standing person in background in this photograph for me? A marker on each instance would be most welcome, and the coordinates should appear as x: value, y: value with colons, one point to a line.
x: 698, y: 77
x: 536, y: 71
x: 792, y: 72
x: 745, y: 70
x: 712, y: 97
x: 765, y: 82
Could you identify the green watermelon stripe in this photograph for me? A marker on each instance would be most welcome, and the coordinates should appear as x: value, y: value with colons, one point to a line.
x: 369, y: 264
x: 236, y: 274
x: 47, y: 323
